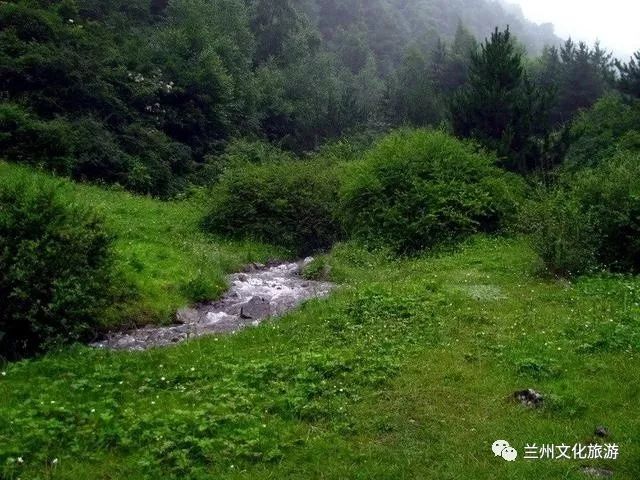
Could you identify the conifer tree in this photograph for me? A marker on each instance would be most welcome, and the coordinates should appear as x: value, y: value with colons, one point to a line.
x: 630, y: 75
x: 500, y: 107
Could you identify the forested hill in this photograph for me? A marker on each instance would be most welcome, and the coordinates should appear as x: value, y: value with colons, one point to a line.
x: 148, y: 93
x: 388, y: 26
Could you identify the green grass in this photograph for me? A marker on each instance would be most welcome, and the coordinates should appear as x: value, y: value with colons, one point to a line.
x: 159, y: 247
x: 406, y: 372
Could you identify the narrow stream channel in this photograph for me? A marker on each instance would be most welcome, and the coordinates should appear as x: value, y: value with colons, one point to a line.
x: 255, y: 295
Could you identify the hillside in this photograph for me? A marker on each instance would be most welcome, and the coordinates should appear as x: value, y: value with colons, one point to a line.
x: 148, y: 95
x: 391, y: 25
x: 162, y: 254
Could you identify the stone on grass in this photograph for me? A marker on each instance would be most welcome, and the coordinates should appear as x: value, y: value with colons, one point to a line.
x: 597, y: 472
x: 529, y: 398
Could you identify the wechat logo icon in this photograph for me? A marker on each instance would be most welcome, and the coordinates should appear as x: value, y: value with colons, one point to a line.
x: 502, y: 448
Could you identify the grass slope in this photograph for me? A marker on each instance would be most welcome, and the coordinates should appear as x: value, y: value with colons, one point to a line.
x: 406, y: 372
x: 159, y: 246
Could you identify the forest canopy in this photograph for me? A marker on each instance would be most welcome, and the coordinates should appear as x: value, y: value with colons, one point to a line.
x: 141, y: 93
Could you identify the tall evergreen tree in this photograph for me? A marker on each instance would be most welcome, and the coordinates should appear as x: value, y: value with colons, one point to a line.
x: 500, y: 107
x: 629, y: 82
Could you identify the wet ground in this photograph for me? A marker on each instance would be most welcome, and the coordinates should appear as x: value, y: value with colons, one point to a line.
x: 259, y: 293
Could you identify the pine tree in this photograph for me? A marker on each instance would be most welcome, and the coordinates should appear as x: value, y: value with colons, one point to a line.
x: 629, y: 82
x: 500, y: 107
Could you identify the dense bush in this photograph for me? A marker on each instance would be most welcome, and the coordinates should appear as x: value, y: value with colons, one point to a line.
x: 591, y: 220
x: 55, y: 268
x: 141, y: 159
x: 598, y: 133
x: 417, y: 188
x: 288, y: 203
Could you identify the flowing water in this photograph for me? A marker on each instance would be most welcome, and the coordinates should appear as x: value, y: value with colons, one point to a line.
x: 255, y: 295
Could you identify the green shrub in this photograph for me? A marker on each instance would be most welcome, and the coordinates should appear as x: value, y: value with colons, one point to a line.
x: 288, y: 203
x: 24, y: 138
x: 416, y: 189
x: 611, y: 125
x: 591, y: 220
x: 142, y: 159
x: 55, y: 268
x: 239, y: 152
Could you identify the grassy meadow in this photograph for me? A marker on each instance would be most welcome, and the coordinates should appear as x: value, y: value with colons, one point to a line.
x: 406, y: 371
x: 468, y: 180
x: 160, y: 249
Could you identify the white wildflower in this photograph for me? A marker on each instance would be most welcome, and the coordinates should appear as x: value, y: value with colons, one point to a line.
x: 54, y: 461
x: 20, y: 460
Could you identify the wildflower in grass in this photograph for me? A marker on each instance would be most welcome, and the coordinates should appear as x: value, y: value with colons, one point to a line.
x: 4, y: 374
x: 20, y: 460
x: 54, y: 461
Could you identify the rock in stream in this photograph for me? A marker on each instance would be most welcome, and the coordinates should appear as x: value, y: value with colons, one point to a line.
x: 257, y: 294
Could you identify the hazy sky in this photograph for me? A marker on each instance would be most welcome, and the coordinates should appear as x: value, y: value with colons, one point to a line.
x: 615, y: 22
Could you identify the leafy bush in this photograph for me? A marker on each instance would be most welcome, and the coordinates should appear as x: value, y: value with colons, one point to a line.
x: 417, y: 188
x: 56, y: 268
x: 237, y: 153
x: 289, y: 203
x: 26, y: 139
x: 597, y: 134
x: 591, y: 220
x: 142, y: 159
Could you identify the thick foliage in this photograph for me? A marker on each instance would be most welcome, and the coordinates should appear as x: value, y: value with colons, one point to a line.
x: 577, y: 74
x: 288, y: 203
x: 416, y: 189
x: 629, y: 81
x: 500, y: 107
x: 612, y: 124
x: 237, y: 153
x: 56, y: 269
x: 139, y: 93
x: 591, y: 220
